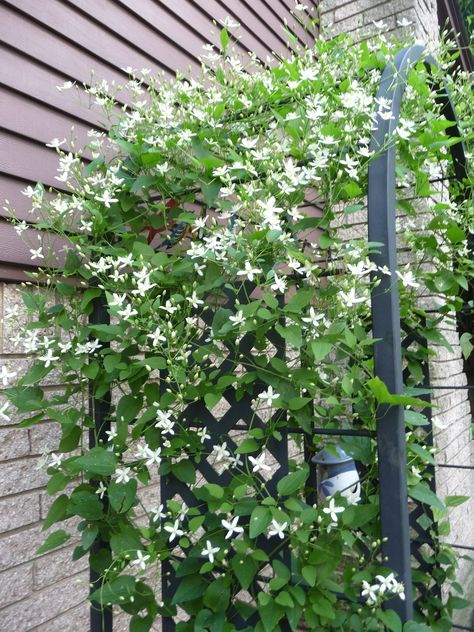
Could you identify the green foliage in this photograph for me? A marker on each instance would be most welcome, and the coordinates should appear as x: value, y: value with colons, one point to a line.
x: 251, y: 301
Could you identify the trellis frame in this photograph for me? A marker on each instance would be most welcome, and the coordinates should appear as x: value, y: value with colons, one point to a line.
x: 390, y: 432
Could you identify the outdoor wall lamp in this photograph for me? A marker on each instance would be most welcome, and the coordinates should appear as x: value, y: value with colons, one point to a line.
x: 337, y: 473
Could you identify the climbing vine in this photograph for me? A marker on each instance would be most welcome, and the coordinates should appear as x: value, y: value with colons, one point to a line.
x: 220, y: 223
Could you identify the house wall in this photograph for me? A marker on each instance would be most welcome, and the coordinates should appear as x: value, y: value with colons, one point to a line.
x: 45, y: 43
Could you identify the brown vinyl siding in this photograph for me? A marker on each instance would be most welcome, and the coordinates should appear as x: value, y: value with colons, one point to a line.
x: 44, y: 43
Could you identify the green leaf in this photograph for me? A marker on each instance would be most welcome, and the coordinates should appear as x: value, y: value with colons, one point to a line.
x: 97, y: 461
x: 122, y: 495
x: 89, y: 535
x: 248, y: 445
x: 309, y: 574
x: 390, y: 619
x: 283, y: 599
x: 57, y: 483
x: 291, y: 333
x: 57, y: 512
x: 245, y: 569
x: 424, y: 494
x: 296, y: 403
x: 415, y: 419
x: 217, y: 595
x: 293, y: 481
x: 224, y: 39
x: 259, y: 521
x: 86, y: 504
x: 139, y: 624
x: 55, y: 539
x: 455, y: 501
x: 413, y: 626
x: 320, y: 349
x: 383, y: 396
x: 466, y: 345
x: 117, y: 591
x: 215, y: 491
x: 184, y: 471
x: 190, y: 588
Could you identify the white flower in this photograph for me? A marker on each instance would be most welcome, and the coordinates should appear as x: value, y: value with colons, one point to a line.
x: 407, y: 278
x: 279, y: 283
x: 173, y: 530
x: 313, y: 318
x: 49, y: 358
x: 209, y: 551
x: 157, y: 513
x: 219, y: 452
x: 111, y: 434
x: 36, y: 253
x: 153, y: 456
x: 156, y: 337
x: 370, y: 592
x: 117, y: 300
x: 123, y: 474
x: 379, y: 25
x: 56, y: 460
x: 165, y: 423
x: 333, y: 510
x: 3, y: 412
x: 249, y: 272
x: 21, y: 227
x: 404, y: 23
x: 28, y: 192
x: 268, y: 396
x: 194, y: 300
x: 101, y: 489
x: 55, y: 143
x: 278, y: 529
x: 231, y: 527
x: 140, y: 560
x: 168, y: 307
x: 238, y: 319
x: 259, y: 463
x: 386, y: 583
x: 351, y: 299
x: 66, y: 86
x: 127, y: 312
x: 202, y: 434
x: 5, y: 375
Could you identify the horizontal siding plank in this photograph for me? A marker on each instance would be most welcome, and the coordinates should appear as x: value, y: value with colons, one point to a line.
x: 51, y: 49
x: 260, y: 21
x: 281, y: 12
x: 25, y: 75
x: 194, y: 11
x: 187, y: 34
x: 150, y: 50
x: 36, y: 121
x: 27, y: 160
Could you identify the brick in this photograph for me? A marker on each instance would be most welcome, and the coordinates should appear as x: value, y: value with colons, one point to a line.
x: 19, y: 547
x: 44, y: 436
x: 21, y: 475
x: 74, y: 620
x: 56, y: 566
x: 44, y: 605
x: 18, y: 511
x: 15, y: 584
x: 14, y: 443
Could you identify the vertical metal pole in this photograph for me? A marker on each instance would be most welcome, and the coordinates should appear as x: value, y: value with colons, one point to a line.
x: 99, y: 410
x: 386, y: 318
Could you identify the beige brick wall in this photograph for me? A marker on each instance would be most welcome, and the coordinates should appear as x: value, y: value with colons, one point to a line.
x: 42, y: 593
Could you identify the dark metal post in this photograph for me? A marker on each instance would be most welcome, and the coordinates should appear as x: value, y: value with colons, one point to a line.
x: 386, y: 321
x: 99, y: 410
